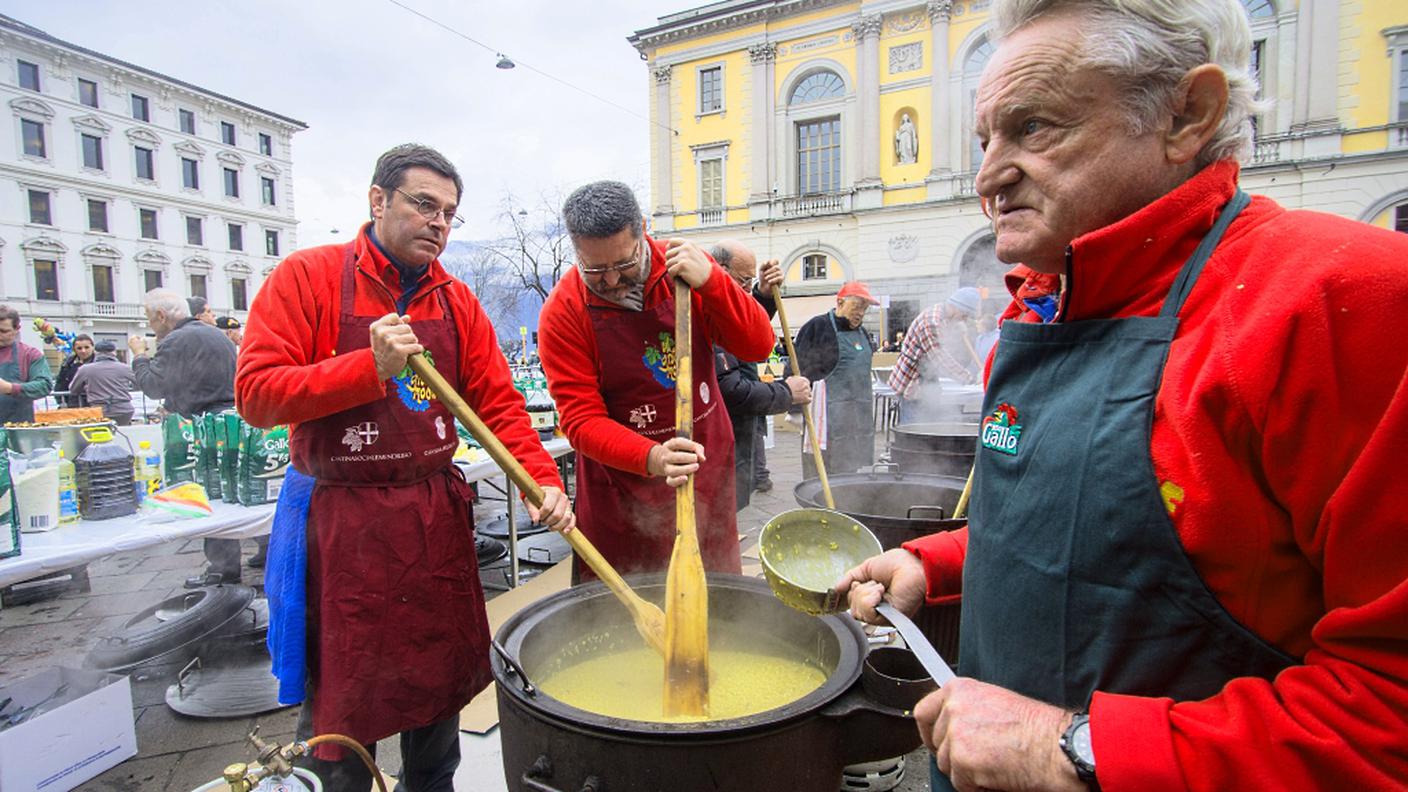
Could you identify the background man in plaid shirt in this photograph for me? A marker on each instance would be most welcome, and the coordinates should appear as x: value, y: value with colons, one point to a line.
x: 933, y: 348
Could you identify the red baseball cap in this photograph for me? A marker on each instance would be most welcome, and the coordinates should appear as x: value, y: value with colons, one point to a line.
x: 857, y: 289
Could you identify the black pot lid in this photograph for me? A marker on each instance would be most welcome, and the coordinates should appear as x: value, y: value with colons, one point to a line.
x: 498, y: 527
x: 544, y: 548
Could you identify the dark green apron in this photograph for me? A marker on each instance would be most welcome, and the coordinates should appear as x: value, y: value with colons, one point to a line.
x: 1075, y: 578
x: 850, y: 404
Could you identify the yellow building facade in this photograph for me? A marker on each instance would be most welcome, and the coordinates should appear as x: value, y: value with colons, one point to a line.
x: 837, y: 136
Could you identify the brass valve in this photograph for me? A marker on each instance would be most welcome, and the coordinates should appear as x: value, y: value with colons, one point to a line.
x: 235, y: 776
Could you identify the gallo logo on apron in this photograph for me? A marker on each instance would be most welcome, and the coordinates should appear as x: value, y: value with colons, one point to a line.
x: 1001, y: 430
x: 414, y: 393
x: 660, y: 361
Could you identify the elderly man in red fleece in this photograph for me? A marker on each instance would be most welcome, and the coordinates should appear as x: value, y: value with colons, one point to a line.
x: 1186, y: 566
x: 606, y: 337
x: 398, y: 639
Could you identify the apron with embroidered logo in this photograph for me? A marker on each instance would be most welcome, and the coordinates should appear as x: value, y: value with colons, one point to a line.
x: 631, y: 518
x: 398, y: 634
x: 850, y: 407
x: 1075, y: 578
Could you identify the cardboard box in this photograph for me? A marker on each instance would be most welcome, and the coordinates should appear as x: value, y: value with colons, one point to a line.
x: 63, y: 746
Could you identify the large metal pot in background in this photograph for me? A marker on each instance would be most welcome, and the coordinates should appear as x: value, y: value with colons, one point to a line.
x: 940, y: 449
x: 799, y: 747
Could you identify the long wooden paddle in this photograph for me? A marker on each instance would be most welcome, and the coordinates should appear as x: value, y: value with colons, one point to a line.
x: 649, y: 619
x: 806, y: 408
x: 686, y: 590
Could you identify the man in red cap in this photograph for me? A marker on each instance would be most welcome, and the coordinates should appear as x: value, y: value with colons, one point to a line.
x: 834, y: 353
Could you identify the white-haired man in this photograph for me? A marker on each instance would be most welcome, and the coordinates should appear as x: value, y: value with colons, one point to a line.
x: 1183, y: 570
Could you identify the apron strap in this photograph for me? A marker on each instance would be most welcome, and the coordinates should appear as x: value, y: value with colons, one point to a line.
x: 349, y: 280
x: 1188, y: 276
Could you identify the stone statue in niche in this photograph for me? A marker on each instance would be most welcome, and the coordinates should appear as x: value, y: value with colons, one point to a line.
x: 906, y: 142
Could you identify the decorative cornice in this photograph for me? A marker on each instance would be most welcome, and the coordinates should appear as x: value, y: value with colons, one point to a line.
x: 197, y: 263
x: 939, y: 10
x: 662, y: 73
x: 190, y: 149
x: 868, y: 26
x: 152, y: 258
x: 762, y: 53
x: 267, y: 168
x: 687, y: 25
x: 230, y: 158
x: 101, y: 250
x: 31, y: 107
x: 43, y: 244
x: 93, y: 124
x: 143, y: 135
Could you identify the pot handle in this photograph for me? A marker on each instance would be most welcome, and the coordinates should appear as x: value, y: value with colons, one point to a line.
x: 909, y: 515
x: 515, y: 669
x: 885, y: 463
x: 541, y: 771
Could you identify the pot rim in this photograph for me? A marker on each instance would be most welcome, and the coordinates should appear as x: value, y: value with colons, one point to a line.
x: 850, y: 639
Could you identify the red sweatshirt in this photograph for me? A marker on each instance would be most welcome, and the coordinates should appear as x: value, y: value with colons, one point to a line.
x: 728, y: 316
x: 287, y: 372
x: 1277, y: 442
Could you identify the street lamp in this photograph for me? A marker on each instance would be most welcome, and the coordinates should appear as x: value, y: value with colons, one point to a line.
x: 504, y: 62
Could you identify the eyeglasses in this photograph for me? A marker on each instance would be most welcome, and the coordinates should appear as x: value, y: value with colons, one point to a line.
x: 622, y: 266
x: 430, y: 211
x: 747, y: 284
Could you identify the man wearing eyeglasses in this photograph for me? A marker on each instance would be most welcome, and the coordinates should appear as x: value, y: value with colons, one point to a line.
x: 373, y: 515
x: 606, y: 338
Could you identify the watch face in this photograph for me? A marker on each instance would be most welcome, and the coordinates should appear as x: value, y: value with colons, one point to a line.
x: 1080, y: 742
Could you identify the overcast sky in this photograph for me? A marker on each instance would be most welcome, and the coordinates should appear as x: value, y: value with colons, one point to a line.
x: 366, y: 75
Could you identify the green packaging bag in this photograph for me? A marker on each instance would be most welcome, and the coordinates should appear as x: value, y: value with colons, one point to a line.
x: 207, y: 468
x: 263, y: 459
x: 179, y: 454
x: 9, y: 515
x: 227, y: 437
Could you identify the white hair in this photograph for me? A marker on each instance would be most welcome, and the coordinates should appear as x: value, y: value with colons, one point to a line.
x: 165, y: 301
x: 1149, y: 46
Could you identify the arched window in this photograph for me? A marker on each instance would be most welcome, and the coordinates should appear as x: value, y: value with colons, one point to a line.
x: 1259, y: 9
x: 817, y: 86
x: 972, y: 70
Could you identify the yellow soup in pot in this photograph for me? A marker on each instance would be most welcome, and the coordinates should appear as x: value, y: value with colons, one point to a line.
x: 629, y: 683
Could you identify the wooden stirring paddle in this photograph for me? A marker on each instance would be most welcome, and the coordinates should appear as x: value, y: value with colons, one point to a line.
x: 806, y: 408
x: 648, y: 618
x: 686, y: 590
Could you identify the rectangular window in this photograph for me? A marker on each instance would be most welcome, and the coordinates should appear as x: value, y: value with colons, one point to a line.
x: 46, y: 280
x: 195, y: 231
x: 87, y: 92
x: 814, y: 267
x: 29, y: 75
x: 190, y: 174
x: 146, y: 163
x: 1403, y: 84
x: 187, y: 119
x: 102, y: 284
x: 92, y: 152
x: 232, y: 182
x: 819, y: 156
x: 711, y: 184
x: 147, y: 220
x: 236, y: 236
x: 238, y: 297
x: 266, y: 145
x: 227, y: 133
x: 198, y: 286
x: 97, y: 215
x: 266, y: 190
x: 1400, y: 218
x: 151, y: 279
x: 39, y: 208
x: 271, y: 242
x: 33, y: 133
x: 711, y: 89
x: 141, y: 108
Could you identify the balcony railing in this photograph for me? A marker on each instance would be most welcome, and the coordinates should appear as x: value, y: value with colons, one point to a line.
x: 814, y: 204
x: 711, y: 217
x: 111, y: 310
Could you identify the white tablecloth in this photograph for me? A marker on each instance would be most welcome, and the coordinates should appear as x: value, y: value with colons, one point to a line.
x: 85, y: 541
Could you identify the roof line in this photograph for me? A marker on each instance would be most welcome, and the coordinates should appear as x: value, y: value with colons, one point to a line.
x: 29, y: 30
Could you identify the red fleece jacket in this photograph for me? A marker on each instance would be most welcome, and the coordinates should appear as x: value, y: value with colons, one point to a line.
x: 728, y: 316
x: 287, y: 372
x: 1277, y: 442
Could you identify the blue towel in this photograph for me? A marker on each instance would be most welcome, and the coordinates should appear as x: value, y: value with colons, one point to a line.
x: 286, y: 585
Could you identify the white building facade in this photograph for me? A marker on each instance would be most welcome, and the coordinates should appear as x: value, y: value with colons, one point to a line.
x: 115, y: 180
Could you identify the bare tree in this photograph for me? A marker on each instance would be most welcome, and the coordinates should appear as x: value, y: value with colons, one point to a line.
x: 536, y: 249
x: 484, y: 272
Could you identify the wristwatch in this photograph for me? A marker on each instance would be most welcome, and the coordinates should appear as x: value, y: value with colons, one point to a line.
x: 1076, y: 745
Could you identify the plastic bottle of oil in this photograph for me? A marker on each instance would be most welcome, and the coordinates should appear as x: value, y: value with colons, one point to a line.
x: 148, y: 464
x: 68, y: 492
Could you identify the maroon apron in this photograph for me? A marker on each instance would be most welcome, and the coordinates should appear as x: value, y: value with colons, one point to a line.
x: 631, y: 518
x: 394, y: 599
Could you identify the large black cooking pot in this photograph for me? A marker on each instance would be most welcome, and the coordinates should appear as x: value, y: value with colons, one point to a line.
x: 941, y: 449
x: 894, y: 505
x: 802, y: 746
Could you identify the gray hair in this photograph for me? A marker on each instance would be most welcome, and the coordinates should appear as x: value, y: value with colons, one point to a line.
x: 721, y: 254
x: 601, y: 209
x: 1150, y: 45
x: 391, y: 167
x: 165, y: 301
